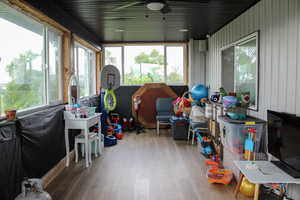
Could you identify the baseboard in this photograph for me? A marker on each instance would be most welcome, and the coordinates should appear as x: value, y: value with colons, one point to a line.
x: 56, y: 170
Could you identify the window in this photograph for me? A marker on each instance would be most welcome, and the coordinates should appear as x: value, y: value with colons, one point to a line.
x: 175, y: 62
x: 113, y: 56
x: 143, y: 64
x: 240, y: 68
x: 85, y: 67
x: 54, y: 60
x: 30, y: 62
x: 139, y: 64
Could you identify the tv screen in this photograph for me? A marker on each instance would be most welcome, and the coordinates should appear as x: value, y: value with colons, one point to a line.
x: 284, y: 138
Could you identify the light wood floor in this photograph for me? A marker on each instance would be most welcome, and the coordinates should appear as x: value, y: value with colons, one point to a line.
x: 141, y: 167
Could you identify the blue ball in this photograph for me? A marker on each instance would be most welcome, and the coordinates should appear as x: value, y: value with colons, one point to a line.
x: 199, y: 92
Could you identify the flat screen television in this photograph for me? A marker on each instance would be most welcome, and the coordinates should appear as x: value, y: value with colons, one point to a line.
x: 284, y: 141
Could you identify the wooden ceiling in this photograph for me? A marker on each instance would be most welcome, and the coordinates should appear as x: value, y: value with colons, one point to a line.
x: 139, y: 24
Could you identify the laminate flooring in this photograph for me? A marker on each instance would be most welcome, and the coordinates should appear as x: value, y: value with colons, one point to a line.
x: 141, y: 167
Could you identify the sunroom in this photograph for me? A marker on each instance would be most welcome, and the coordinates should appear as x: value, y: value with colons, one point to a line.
x: 149, y: 99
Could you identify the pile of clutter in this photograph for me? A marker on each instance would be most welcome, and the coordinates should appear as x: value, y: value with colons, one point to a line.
x: 114, y: 131
x: 235, y: 105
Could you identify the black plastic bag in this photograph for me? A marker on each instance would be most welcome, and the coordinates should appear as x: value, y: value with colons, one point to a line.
x: 42, y: 139
x: 11, y: 173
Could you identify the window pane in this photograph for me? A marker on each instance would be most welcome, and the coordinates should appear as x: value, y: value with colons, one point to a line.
x: 245, y: 69
x: 22, y: 75
x: 143, y: 64
x: 83, y: 61
x: 54, y: 43
x: 175, y: 64
x: 113, y: 56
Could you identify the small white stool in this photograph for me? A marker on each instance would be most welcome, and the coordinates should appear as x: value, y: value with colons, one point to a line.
x: 92, y: 137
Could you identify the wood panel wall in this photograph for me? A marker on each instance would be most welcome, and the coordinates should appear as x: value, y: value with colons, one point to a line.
x: 67, y: 68
x: 279, y: 71
x: 279, y: 24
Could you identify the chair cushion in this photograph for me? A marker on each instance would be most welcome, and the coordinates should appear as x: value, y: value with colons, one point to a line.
x: 195, y: 125
x: 163, y: 118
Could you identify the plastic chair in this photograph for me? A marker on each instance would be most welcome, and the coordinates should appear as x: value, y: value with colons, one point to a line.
x: 164, y: 110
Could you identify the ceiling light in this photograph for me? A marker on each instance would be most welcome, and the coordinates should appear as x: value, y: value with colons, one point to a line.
x: 155, y: 5
x: 119, y: 30
x: 184, y: 30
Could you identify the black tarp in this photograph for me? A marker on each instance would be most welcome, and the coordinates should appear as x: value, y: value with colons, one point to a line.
x: 31, y: 146
x: 42, y: 139
x: 11, y: 173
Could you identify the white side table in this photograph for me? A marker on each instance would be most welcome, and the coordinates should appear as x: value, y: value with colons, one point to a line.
x: 82, y: 124
x: 262, y: 172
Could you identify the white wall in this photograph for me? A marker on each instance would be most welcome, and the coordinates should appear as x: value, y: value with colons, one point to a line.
x: 196, y: 64
x: 279, y: 74
x: 279, y: 24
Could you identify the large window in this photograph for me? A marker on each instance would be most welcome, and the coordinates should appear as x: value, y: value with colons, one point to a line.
x: 240, y: 68
x: 30, y: 62
x: 139, y: 64
x: 85, y: 67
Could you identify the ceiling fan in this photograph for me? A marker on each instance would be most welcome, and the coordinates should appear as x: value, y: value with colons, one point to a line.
x: 156, y: 5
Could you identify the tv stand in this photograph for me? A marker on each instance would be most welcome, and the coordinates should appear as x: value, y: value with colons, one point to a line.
x: 292, y: 172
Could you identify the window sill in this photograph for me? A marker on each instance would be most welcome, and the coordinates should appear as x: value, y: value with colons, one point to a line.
x: 32, y: 110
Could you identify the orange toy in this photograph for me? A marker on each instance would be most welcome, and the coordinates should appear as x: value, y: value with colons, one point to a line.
x: 119, y: 136
x: 216, y: 175
x: 110, y: 131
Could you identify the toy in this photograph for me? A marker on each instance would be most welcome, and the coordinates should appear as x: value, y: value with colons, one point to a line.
x: 215, y: 97
x: 236, y: 116
x: 182, y: 105
x: 110, y: 140
x: 207, y: 148
x: 110, y: 100
x: 229, y: 101
x: 125, y: 124
x: 247, y: 188
x: 118, y: 131
x: 110, y: 131
x: 199, y: 92
x: 217, y: 175
x: 110, y: 80
x: 249, y: 144
x: 115, y: 118
x: 245, y: 99
x: 222, y: 93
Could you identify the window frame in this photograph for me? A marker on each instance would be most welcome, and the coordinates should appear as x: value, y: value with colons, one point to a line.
x: 254, y: 35
x: 76, y: 44
x: 165, y: 45
x: 47, y: 67
x: 45, y: 63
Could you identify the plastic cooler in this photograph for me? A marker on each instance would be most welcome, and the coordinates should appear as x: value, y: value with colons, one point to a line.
x: 179, y: 127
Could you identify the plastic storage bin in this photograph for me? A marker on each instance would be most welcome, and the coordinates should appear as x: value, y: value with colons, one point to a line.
x: 234, y: 134
x: 179, y: 127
